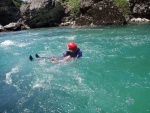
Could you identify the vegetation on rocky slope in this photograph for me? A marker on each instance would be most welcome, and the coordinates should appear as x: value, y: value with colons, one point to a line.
x: 74, y: 6
x: 123, y: 5
x: 17, y: 3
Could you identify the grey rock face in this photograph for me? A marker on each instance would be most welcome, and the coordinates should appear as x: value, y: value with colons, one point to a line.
x: 140, y: 8
x: 99, y: 13
x: 42, y: 13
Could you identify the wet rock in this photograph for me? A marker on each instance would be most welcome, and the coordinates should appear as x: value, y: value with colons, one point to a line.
x: 139, y: 20
x: 1, y: 28
x: 66, y: 23
x: 10, y: 25
x: 15, y: 26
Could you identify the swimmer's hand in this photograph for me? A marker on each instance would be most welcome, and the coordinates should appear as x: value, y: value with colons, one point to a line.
x: 53, y: 59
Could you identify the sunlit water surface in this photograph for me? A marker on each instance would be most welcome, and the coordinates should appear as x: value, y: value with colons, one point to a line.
x: 113, y: 76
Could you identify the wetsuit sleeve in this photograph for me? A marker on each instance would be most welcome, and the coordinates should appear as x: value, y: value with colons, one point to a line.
x: 67, y: 54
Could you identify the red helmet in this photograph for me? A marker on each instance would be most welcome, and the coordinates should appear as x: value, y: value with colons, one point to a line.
x: 72, y: 46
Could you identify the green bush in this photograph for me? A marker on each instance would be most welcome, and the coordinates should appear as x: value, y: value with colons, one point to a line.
x: 74, y: 6
x: 17, y: 3
x: 123, y: 6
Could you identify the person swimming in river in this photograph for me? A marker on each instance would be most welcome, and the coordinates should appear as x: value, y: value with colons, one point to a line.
x: 72, y: 52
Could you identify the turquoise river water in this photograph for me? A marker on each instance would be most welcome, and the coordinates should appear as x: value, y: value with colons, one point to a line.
x: 113, y: 76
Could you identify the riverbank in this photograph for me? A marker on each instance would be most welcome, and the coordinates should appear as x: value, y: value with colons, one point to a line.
x: 79, y: 13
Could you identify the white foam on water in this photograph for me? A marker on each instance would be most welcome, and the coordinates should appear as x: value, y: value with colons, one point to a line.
x: 7, y: 43
x: 8, y: 75
x: 12, y: 43
x: 22, y: 44
x: 71, y: 38
x: 37, y: 86
x: 26, y: 110
x: 21, y: 101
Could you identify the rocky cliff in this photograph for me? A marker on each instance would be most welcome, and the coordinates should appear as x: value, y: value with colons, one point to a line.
x: 42, y: 13
x: 47, y: 13
x: 140, y: 8
x: 8, y: 12
x: 99, y: 12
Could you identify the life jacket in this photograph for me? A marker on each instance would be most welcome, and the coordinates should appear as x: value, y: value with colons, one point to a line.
x: 75, y: 54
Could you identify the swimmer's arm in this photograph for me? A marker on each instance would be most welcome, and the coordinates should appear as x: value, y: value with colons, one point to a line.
x: 67, y: 58
x: 64, y: 59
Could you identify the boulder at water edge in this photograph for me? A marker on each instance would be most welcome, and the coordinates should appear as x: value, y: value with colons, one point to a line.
x: 1, y: 28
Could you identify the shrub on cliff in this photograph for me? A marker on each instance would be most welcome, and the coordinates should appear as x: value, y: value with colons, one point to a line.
x: 17, y: 3
x: 123, y: 6
x: 74, y: 6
